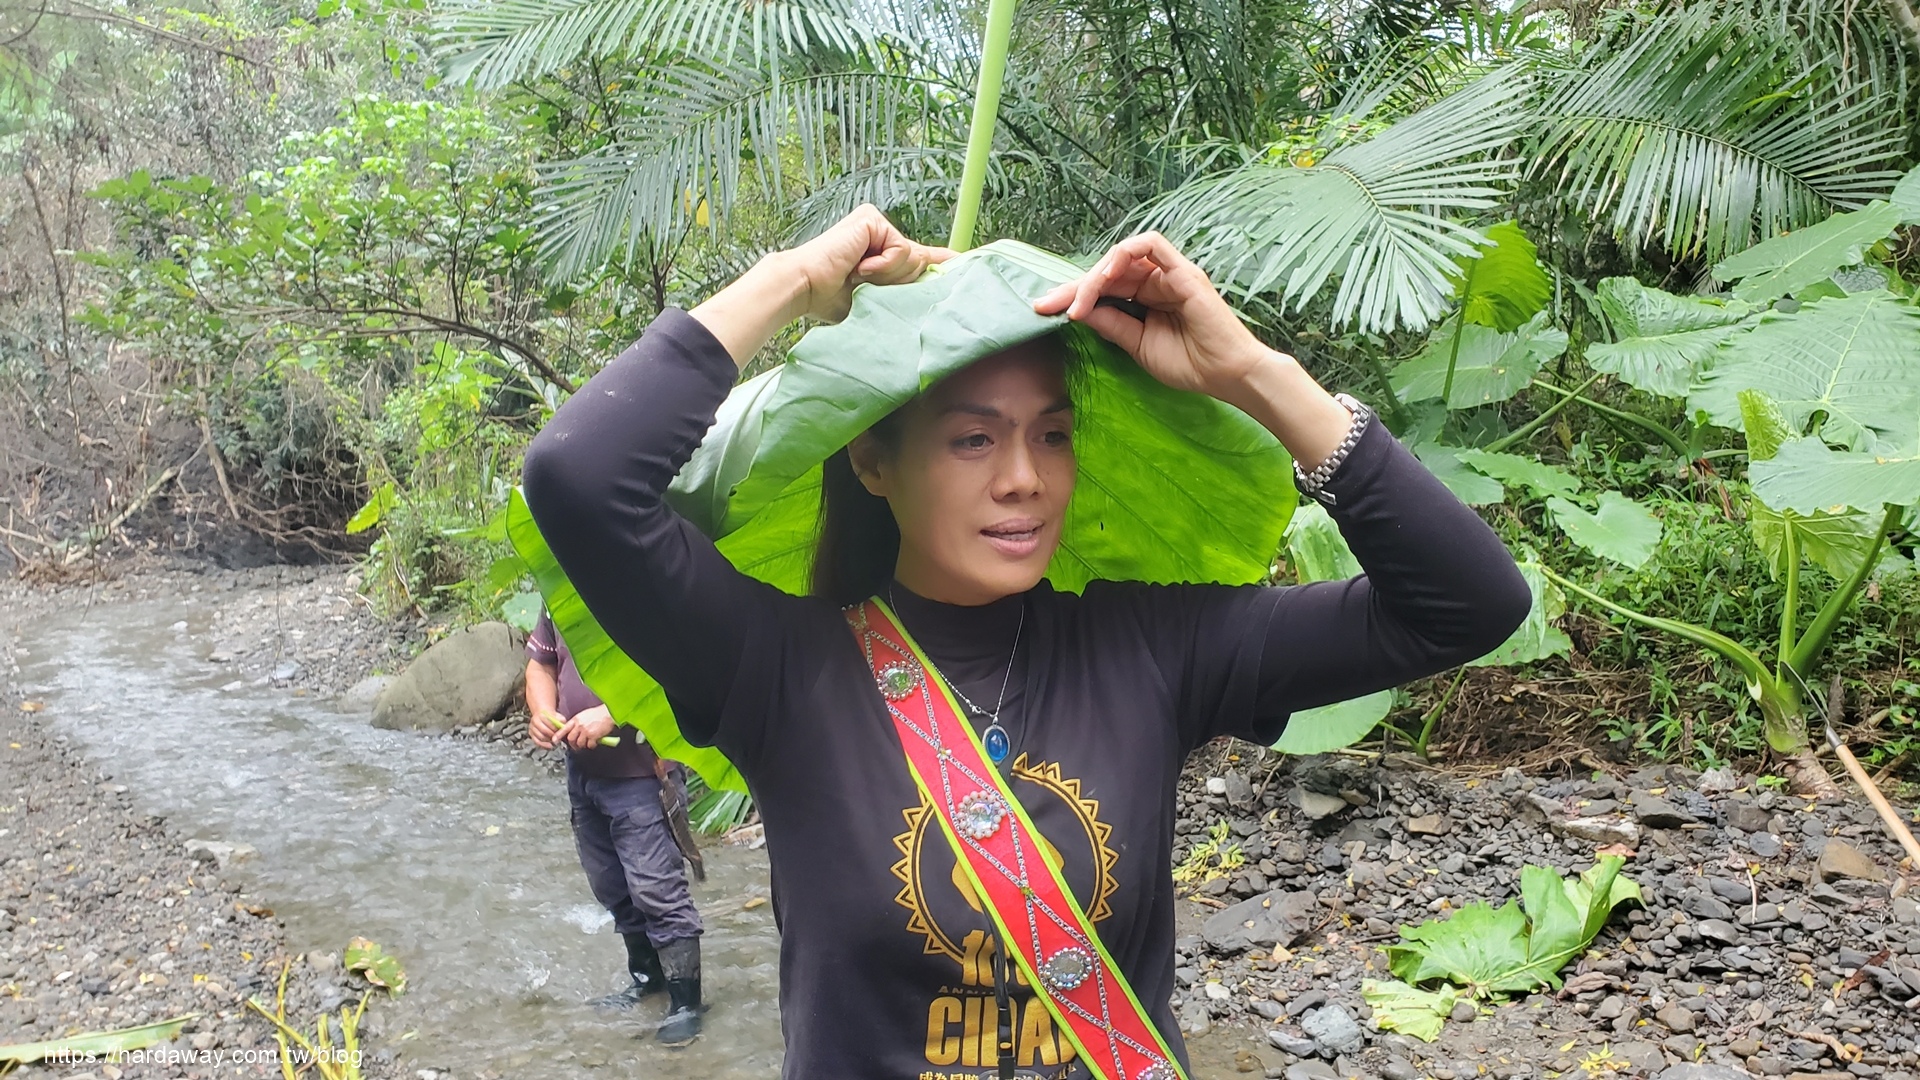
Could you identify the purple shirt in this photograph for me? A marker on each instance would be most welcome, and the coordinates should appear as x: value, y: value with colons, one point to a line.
x: 632, y: 757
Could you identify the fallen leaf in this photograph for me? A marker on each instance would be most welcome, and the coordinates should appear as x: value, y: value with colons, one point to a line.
x: 1840, y: 989
x: 757, y: 901
x: 1621, y: 850
x: 32, y: 706
x: 1399, y: 1007
x: 493, y: 830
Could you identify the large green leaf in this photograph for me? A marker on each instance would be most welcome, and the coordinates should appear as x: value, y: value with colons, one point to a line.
x: 1516, y: 470
x: 1835, y: 542
x: 1468, y: 485
x: 1537, y: 637
x: 1172, y: 487
x: 1491, y: 366
x: 1410, y: 1011
x: 1521, y: 945
x: 1906, y: 196
x: 1792, y: 261
x: 1807, y: 477
x: 1336, y: 726
x: 1318, y: 551
x: 1662, y: 341
x: 1504, y: 286
x: 102, y: 1044
x: 1850, y: 358
x: 1621, y: 530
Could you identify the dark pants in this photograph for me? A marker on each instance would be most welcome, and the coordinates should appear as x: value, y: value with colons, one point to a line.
x: 634, y: 867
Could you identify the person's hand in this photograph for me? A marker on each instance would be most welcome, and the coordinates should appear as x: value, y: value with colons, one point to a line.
x: 588, y: 727
x: 540, y: 728
x: 1190, y: 339
x: 861, y: 248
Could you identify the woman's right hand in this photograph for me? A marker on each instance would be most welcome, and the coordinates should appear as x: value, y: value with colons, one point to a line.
x: 815, y: 280
x: 863, y: 248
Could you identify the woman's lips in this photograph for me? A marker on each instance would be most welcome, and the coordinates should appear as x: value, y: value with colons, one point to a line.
x: 1015, y: 539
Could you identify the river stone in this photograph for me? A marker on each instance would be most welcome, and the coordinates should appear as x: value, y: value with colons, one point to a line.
x: 1657, y: 813
x: 1428, y: 825
x: 360, y: 697
x: 1677, y: 1017
x: 1700, y: 1071
x: 1311, y: 1070
x: 470, y: 677
x: 1746, y: 816
x: 1333, y: 1030
x: 1842, y: 860
x: 217, y: 852
x: 1194, y: 1019
x: 1288, y: 1042
x: 1239, y: 792
x: 1276, y: 918
x: 1316, y: 805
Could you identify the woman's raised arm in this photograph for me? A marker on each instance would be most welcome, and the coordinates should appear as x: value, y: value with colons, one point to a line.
x: 596, y: 477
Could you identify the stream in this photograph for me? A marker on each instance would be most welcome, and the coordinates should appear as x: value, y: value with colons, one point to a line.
x: 453, y: 855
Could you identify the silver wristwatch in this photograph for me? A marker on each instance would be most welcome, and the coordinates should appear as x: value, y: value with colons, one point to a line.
x: 1313, y: 484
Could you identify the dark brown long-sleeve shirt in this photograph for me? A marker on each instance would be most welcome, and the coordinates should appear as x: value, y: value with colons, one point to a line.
x: 884, y: 971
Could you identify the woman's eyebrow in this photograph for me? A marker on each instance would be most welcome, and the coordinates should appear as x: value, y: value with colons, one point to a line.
x: 973, y: 408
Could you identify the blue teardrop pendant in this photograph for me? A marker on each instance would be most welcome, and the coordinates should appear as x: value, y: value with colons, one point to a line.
x: 997, y: 743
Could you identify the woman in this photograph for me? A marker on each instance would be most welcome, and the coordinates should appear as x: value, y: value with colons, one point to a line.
x: 950, y: 511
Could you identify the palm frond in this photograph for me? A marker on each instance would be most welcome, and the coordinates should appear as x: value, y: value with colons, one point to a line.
x: 895, y: 178
x: 494, y: 42
x: 1708, y: 137
x: 1379, y: 215
x: 693, y: 127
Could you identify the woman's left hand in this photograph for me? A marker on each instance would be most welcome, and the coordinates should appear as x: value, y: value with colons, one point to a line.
x: 1190, y: 340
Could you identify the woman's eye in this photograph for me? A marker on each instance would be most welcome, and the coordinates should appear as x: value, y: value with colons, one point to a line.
x: 975, y: 441
x: 1058, y: 438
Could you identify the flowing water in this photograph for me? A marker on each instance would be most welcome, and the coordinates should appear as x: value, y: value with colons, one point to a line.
x: 453, y: 855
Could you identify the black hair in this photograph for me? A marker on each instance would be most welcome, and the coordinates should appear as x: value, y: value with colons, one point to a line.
x: 859, y: 538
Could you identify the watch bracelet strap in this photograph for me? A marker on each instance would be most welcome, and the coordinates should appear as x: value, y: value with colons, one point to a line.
x: 1310, y: 483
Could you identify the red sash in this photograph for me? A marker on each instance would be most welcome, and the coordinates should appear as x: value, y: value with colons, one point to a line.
x: 1039, y: 921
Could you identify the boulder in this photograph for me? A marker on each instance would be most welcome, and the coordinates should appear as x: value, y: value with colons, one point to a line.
x: 361, y: 696
x: 470, y: 677
x: 1276, y: 918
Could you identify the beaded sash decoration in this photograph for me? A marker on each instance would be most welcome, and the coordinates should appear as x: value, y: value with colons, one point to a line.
x: 1039, y: 920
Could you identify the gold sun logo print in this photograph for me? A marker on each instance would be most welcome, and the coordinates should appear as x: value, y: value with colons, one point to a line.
x: 922, y: 897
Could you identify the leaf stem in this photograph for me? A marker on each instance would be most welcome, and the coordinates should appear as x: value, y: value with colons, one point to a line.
x: 1428, y: 721
x: 986, y: 110
x: 1674, y: 442
x: 1544, y: 418
x: 1453, y: 360
x: 1810, y: 645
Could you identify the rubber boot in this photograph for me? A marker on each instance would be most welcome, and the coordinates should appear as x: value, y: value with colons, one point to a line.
x: 643, y: 966
x: 681, y: 962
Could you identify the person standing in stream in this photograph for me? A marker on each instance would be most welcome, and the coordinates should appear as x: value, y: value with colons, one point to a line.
x: 940, y: 521
x: 623, y: 803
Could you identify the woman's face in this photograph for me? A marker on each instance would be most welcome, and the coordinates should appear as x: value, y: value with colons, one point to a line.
x: 980, y: 478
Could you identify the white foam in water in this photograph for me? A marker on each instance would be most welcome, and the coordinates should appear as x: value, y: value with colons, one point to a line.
x: 588, y: 918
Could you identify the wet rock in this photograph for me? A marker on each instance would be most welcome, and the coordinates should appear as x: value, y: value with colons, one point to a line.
x: 1842, y: 860
x: 1718, y: 930
x: 1291, y: 1042
x: 1677, y: 1017
x: 217, y: 852
x: 1276, y: 918
x: 360, y: 697
x: 1701, y: 1071
x: 1657, y: 813
x: 285, y: 671
x: 1317, y: 805
x: 1333, y: 1030
x: 469, y: 677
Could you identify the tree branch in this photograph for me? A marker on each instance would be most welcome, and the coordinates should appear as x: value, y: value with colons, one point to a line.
x: 1904, y: 17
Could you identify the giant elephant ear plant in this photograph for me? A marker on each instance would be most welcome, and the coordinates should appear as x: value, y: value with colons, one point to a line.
x: 1825, y: 388
x: 1174, y: 486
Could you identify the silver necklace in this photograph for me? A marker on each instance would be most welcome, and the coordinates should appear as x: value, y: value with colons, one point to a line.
x: 995, y: 739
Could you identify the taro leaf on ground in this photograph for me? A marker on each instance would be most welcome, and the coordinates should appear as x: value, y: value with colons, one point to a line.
x: 1320, y: 553
x: 1622, y: 530
x: 1491, y: 366
x: 1836, y: 542
x: 375, y: 964
x: 1515, y: 470
x: 1520, y: 946
x: 1848, y: 358
x: 1172, y: 486
x: 1503, y: 286
x: 99, y: 1044
x: 1662, y: 341
x: 1792, y: 261
x: 1468, y: 485
x: 1407, y: 1009
x: 1538, y: 637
